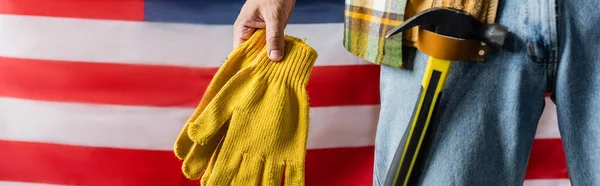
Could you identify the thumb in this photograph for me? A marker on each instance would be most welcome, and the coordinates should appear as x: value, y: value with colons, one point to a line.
x: 275, y: 25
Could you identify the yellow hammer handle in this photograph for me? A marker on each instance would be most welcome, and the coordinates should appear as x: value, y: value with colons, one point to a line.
x: 432, y: 86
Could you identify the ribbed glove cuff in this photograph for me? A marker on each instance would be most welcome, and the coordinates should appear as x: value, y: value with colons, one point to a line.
x: 294, y: 69
x: 253, y: 47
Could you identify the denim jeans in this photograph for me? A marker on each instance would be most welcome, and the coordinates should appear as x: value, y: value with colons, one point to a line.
x: 488, y: 114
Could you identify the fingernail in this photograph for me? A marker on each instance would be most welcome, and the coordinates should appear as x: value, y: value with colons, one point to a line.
x: 275, y: 54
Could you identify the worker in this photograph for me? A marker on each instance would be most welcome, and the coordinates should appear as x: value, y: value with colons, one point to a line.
x: 487, y: 116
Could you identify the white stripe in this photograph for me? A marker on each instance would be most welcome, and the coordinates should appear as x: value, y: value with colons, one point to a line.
x: 343, y: 126
x: 547, y: 182
x: 146, y: 42
x: 10, y: 183
x: 548, y: 124
x: 157, y: 128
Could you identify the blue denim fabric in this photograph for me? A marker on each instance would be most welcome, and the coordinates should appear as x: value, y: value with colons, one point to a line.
x: 489, y: 111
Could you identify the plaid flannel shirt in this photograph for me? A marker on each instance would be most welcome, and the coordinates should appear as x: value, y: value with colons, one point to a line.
x: 365, y: 25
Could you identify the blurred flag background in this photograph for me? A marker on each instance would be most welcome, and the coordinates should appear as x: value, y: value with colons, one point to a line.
x: 94, y: 92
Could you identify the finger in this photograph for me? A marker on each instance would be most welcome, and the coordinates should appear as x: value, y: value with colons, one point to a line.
x: 183, y: 143
x: 287, y: 20
x: 197, y: 161
x: 221, y: 107
x: 247, y: 174
x: 211, y: 120
x: 272, y: 174
x: 241, y: 34
x: 211, y: 165
x: 275, y: 25
x: 294, y: 174
x: 226, y: 166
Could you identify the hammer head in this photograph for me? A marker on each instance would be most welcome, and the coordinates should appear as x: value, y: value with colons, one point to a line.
x: 454, y: 23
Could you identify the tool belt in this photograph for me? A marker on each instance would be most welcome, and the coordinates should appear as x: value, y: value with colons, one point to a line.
x: 445, y: 47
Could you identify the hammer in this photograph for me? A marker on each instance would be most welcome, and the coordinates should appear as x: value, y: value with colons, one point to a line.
x: 451, y: 25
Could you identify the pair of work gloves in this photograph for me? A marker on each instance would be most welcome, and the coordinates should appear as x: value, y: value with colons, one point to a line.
x: 251, y: 125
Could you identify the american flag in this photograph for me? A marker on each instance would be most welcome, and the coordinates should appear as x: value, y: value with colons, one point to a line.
x: 94, y: 92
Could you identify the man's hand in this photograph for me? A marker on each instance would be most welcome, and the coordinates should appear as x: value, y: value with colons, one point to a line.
x: 273, y: 15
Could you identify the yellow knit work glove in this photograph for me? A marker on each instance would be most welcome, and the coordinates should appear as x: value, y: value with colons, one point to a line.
x: 267, y: 110
x: 196, y: 157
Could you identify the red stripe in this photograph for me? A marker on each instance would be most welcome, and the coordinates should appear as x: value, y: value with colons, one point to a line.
x: 340, y: 166
x: 95, y: 9
x: 547, y: 160
x: 152, y: 85
x: 77, y: 165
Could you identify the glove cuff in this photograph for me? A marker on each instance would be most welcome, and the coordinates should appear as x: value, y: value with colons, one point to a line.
x: 251, y: 48
x: 295, y: 67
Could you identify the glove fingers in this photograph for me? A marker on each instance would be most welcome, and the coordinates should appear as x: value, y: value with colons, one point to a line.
x: 226, y: 166
x: 294, y: 174
x: 211, y: 165
x: 183, y: 143
x: 247, y: 174
x: 220, y: 109
x: 197, y: 160
x: 232, y: 65
x: 209, y: 123
x: 273, y: 173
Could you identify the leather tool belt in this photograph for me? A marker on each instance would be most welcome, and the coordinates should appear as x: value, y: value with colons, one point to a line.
x: 444, y: 47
